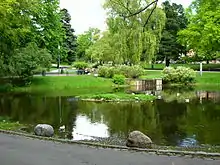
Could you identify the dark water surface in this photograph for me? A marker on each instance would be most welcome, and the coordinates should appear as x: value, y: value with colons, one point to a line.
x: 177, y: 119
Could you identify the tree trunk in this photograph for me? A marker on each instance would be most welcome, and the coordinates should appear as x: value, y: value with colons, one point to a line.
x: 167, y: 62
x: 152, y: 66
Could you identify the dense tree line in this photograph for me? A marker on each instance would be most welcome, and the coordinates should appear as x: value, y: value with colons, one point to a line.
x: 34, y: 33
x: 140, y: 31
x: 30, y: 33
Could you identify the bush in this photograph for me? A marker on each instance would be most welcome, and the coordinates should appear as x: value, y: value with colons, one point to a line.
x: 180, y: 75
x: 80, y: 65
x: 119, y: 79
x: 135, y: 71
x: 128, y: 71
x: 103, y: 71
x: 107, y: 72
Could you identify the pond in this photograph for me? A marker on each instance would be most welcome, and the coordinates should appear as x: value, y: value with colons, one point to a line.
x: 189, y: 118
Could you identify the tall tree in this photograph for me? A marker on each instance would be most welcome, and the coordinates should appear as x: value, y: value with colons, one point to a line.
x: 69, y: 42
x: 176, y: 21
x: 23, y: 23
x: 137, y: 28
x: 85, y: 40
x: 102, y: 50
x: 49, y: 31
x: 203, y: 32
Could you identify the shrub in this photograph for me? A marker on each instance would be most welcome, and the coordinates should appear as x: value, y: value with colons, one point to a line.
x: 124, y: 70
x: 80, y: 65
x: 135, y: 71
x: 107, y: 72
x: 128, y: 71
x: 103, y: 71
x: 181, y: 75
x: 119, y: 79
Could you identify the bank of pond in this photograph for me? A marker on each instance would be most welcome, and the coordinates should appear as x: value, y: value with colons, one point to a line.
x: 183, y: 119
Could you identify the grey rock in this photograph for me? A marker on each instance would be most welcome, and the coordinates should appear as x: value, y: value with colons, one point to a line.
x: 44, y: 130
x: 138, y: 139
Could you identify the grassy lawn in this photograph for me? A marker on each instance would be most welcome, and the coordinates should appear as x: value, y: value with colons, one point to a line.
x: 92, y: 87
x: 208, y: 78
x: 86, y: 87
x: 193, y: 66
x: 151, y: 74
x: 68, y: 85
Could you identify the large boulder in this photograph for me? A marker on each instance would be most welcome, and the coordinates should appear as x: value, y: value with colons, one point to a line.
x: 44, y: 130
x: 138, y: 139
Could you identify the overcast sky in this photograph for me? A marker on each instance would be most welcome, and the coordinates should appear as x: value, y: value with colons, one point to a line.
x: 89, y: 13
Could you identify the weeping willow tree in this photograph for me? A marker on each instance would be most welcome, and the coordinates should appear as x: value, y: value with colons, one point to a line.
x: 136, y: 26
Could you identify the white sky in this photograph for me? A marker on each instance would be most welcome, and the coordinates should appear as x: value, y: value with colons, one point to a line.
x: 89, y: 13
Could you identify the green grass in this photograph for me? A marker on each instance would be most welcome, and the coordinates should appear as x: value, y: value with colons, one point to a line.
x: 208, y: 78
x: 9, y: 126
x: 193, y: 66
x: 209, y: 81
x: 6, y: 124
x: 151, y: 74
x: 90, y: 85
x: 86, y: 87
x: 68, y: 85
x: 118, y: 97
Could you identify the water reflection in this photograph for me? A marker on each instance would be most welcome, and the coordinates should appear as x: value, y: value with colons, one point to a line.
x: 85, y: 130
x: 169, y: 121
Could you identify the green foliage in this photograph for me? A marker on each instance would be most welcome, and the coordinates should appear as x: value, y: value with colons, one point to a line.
x: 85, y: 41
x: 180, y: 75
x: 129, y: 40
x: 128, y: 71
x: 69, y: 42
x: 48, y: 28
x: 119, y: 79
x: 134, y: 71
x: 24, y: 22
x: 102, y: 50
x: 27, y: 59
x: 176, y: 20
x: 203, y: 32
x: 107, y: 72
x: 80, y: 65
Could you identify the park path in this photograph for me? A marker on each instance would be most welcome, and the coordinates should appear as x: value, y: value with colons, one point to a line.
x: 17, y: 150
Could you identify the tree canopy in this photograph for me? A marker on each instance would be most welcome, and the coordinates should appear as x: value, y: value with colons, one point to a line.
x: 176, y: 21
x: 28, y: 24
x: 69, y: 43
x: 203, y: 32
x: 85, y: 41
x: 133, y: 33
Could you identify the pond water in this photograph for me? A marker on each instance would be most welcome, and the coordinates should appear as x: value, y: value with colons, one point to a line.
x: 189, y: 118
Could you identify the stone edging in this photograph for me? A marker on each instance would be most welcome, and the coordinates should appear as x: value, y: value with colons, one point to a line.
x: 154, y: 151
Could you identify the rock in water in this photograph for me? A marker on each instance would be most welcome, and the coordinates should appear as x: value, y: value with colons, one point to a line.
x: 44, y: 130
x: 138, y: 139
